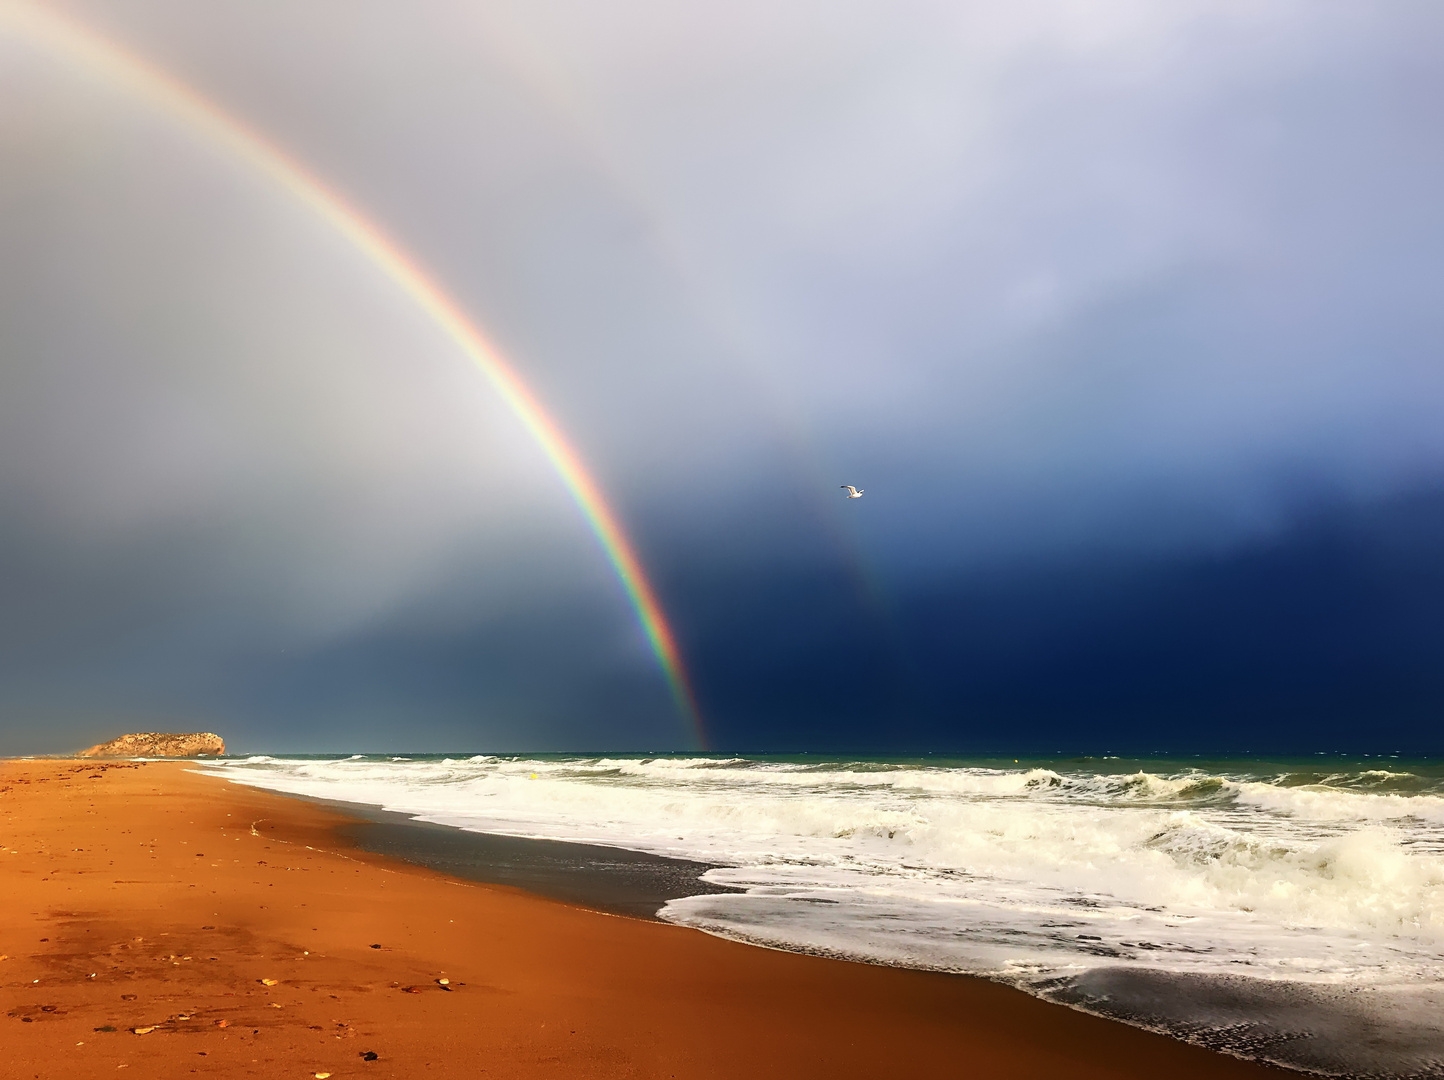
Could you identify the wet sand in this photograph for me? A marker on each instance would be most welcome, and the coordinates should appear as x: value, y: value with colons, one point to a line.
x: 161, y: 923
x: 601, y: 878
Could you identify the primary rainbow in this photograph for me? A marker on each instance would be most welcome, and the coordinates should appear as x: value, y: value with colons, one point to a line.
x: 79, y: 44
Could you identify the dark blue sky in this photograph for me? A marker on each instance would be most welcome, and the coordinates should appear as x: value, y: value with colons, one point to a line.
x: 1124, y: 315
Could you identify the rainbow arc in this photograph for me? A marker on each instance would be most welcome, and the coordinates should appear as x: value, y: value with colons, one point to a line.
x: 78, y: 44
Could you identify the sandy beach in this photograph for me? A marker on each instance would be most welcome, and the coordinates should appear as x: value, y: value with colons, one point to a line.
x: 159, y: 922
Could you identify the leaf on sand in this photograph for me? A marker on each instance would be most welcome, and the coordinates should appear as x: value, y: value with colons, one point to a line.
x: 144, y: 1030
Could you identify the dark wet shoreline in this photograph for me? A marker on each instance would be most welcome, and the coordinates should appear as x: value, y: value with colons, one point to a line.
x: 1315, y: 1028
x: 614, y: 880
x: 1323, y: 1029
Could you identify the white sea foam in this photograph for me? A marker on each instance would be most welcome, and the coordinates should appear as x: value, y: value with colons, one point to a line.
x: 1024, y: 873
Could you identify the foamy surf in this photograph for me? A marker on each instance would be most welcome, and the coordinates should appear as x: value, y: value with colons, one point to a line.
x: 1253, y: 909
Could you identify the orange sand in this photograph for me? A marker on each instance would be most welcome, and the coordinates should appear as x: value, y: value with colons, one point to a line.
x: 148, y: 908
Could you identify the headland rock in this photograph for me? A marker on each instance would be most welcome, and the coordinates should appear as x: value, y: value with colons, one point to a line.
x: 160, y: 744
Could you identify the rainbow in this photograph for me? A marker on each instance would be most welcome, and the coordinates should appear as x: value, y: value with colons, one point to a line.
x: 80, y: 45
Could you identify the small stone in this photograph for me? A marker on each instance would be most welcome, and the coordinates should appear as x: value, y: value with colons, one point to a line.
x: 268, y: 982
x: 320, y: 1076
x: 145, y: 1030
x: 369, y: 1055
x: 223, y: 1023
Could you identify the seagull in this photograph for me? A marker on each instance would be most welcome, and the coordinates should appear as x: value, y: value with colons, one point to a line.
x: 852, y: 492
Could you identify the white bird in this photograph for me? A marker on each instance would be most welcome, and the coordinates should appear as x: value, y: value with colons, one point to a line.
x: 852, y: 492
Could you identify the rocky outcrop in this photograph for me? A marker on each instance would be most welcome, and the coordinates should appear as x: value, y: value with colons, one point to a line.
x: 160, y: 744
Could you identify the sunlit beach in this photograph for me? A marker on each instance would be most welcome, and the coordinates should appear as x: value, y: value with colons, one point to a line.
x: 670, y: 542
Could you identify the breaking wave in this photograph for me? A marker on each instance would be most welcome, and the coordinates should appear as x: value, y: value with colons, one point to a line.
x: 1050, y: 875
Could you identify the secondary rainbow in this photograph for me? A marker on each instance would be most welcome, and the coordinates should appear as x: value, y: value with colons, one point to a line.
x: 79, y: 44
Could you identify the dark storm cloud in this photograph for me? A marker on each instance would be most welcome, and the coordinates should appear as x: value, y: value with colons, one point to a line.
x: 1109, y: 285
x: 1325, y: 636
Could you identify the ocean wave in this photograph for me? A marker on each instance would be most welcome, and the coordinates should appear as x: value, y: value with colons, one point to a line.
x: 1336, y: 803
x: 1034, y: 868
x: 1060, y: 878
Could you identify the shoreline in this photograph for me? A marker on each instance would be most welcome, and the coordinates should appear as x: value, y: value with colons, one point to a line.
x: 596, y: 877
x: 1278, y: 1022
x: 226, y: 930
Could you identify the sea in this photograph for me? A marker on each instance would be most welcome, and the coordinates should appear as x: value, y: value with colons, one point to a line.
x: 1290, y: 911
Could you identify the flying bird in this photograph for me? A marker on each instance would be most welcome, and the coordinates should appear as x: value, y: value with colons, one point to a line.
x: 852, y: 492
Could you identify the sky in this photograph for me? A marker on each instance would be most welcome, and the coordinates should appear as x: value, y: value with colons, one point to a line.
x: 1123, y: 315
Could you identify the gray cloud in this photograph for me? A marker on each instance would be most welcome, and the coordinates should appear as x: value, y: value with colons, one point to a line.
x: 1035, y: 274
